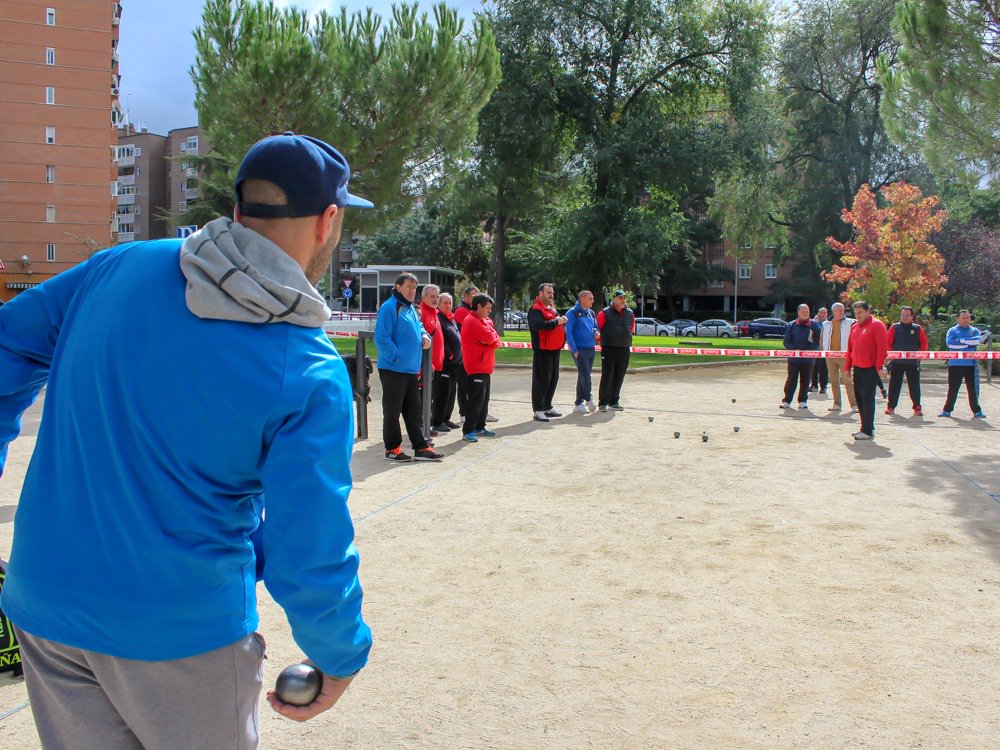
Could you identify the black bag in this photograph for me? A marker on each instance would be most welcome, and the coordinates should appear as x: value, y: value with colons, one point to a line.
x: 10, y: 653
x: 351, y: 360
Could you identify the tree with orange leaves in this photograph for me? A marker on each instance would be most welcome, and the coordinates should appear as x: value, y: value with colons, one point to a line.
x: 889, y: 261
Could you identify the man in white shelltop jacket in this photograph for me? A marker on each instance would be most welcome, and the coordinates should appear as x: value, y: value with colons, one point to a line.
x: 139, y: 535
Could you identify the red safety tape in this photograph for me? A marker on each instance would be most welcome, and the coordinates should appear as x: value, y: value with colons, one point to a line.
x: 760, y: 353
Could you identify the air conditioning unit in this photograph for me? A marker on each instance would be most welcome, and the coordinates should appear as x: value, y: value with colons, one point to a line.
x: 114, y: 91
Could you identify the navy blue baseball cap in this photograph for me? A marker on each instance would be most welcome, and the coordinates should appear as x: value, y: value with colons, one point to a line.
x: 313, y: 175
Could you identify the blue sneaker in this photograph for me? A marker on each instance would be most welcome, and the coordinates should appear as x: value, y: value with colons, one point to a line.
x: 470, y: 437
x: 486, y: 433
x: 979, y: 414
x: 944, y: 414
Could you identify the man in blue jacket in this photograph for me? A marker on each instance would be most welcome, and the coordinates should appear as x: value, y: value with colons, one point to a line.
x: 132, y: 575
x: 802, y: 334
x: 963, y: 337
x: 581, y: 335
x: 400, y: 338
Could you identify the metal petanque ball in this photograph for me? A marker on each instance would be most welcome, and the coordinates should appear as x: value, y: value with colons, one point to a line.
x: 704, y: 437
x: 298, y: 685
x: 676, y: 435
x: 736, y: 429
x: 650, y: 419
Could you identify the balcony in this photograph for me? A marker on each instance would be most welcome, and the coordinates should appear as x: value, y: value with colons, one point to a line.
x: 191, y: 194
x: 126, y: 179
x: 116, y: 15
x: 126, y: 237
x: 126, y: 161
x: 126, y: 200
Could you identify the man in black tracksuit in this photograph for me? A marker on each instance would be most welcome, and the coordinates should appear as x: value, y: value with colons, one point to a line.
x: 905, y: 336
x: 617, y: 324
x: 802, y: 334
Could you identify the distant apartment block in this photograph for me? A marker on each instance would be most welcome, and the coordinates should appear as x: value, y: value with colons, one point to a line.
x: 141, y: 158
x: 183, y: 190
x: 59, y: 82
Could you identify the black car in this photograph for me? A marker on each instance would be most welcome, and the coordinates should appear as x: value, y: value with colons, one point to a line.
x: 762, y: 327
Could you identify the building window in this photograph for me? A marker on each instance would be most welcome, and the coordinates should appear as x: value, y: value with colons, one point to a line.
x: 192, y: 143
x: 182, y: 206
x: 50, y: 134
x: 50, y: 173
x: 50, y: 95
x: 50, y: 214
x: 50, y: 252
x: 744, y: 270
x: 138, y: 171
x: 184, y: 185
x: 50, y: 55
x: 50, y: 16
x: 770, y: 272
x: 138, y: 150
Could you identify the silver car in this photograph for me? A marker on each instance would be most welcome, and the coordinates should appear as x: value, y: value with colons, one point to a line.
x: 653, y: 327
x: 713, y: 329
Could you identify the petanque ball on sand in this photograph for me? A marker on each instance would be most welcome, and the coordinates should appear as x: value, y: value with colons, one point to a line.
x: 734, y: 400
x: 676, y: 435
x: 704, y: 437
x: 298, y: 685
x: 650, y: 419
x: 736, y: 429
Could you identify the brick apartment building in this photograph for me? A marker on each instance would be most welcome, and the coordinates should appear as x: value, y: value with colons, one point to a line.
x: 141, y: 159
x: 59, y: 91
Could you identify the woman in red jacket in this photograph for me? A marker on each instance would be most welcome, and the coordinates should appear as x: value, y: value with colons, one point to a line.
x: 479, y: 344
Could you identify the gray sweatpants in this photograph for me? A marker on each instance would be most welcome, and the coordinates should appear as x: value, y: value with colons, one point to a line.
x: 83, y: 700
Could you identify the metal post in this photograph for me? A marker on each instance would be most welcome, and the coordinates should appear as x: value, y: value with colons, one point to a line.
x: 427, y: 375
x: 360, y: 373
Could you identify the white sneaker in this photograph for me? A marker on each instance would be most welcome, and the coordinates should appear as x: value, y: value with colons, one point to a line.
x: 591, y: 406
x: 540, y: 416
x: 784, y: 405
x: 803, y: 405
x: 491, y: 418
x: 580, y: 409
x: 862, y: 436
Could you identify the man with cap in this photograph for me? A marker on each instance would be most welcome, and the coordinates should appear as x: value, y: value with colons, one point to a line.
x: 400, y: 339
x: 616, y: 324
x: 140, y: 531
x: 548, y: 335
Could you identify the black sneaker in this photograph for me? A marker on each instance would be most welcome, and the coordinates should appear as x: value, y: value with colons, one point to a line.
x: 452, y: 425
x: 616, y: 407
x: 442, y: 427
x: 553, y: 413
x: 398, y: 456
x: 427, y: 454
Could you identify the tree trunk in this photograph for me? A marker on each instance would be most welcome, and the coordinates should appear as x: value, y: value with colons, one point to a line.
x: 496, y: 283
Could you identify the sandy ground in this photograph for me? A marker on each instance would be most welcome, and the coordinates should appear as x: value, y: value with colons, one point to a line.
x: 597, y: 583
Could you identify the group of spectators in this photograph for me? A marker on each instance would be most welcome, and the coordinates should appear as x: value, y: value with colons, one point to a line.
x: 862, y: 344
x: 463, y: 343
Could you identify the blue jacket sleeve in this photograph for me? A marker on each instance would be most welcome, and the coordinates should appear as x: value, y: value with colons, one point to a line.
x: 29, y: 332
x: 311, y: 566
x: 788, y: 337
x: 385, y: 326
x: 571, y: 329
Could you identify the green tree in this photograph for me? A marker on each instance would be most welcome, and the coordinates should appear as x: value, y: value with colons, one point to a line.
x: 399, y: 97
x: 654, y: 90
x: 519, y: 153
x: 943, y: 91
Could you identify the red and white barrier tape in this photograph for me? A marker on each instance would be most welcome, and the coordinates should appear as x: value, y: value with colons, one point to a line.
x: 760, y: 353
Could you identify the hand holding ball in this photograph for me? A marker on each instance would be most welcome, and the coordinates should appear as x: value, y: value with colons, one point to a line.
x: 298, y: 685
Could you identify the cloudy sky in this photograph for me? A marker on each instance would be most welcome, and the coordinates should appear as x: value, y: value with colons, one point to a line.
x: 157, y: 52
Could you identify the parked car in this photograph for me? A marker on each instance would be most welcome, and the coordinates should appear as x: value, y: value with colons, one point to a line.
x: 653, y: 327
x: 712, y: 328
x: 512, y: 319
x: 762, y: 327
x: 742, y: 327
x: 681, y: 324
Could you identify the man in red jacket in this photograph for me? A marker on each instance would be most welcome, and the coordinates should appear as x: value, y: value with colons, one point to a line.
x: 548, y: 336
x: 479, y: 344
x: 429, y: 318
x: 866, y: 350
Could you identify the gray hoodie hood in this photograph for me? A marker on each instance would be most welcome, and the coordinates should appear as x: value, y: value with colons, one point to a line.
x: 233, y: 273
